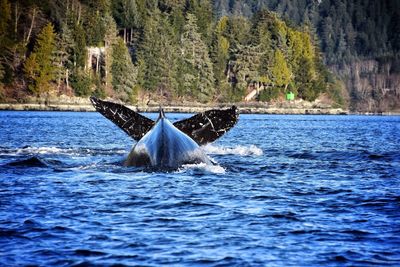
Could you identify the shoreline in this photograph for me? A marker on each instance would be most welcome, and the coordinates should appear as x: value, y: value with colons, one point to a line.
x: 243, y: 109
x: 177, y: 109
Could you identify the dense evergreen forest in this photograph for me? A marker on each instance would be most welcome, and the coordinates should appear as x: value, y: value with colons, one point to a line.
x: 360, y: 40
x: 347, y: 29
x: 172, y: 50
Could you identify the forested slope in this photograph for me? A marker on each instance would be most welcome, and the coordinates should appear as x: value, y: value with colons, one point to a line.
x: 360, y: 40
x: 164, y: 50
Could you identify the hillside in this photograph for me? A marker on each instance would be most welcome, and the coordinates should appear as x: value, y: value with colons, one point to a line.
x: 199, y: 50
x: 360, y: 41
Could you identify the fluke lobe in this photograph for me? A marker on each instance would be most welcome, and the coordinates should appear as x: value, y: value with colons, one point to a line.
x: 163, y: 144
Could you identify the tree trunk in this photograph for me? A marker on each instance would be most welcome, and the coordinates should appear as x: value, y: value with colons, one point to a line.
x: 79, y: 13
x: 97, y: 63
x: 66, y: 78
x: 31, y: 27
x: 16, y: 18
x: 131, y: 36
x: 58, y: 82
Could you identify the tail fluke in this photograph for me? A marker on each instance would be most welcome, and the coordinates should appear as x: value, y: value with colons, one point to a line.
x: 134, y: 124
x: 203, y: 127
x: 208, y: 126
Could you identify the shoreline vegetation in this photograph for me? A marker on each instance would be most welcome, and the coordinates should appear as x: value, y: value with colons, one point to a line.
x: 296, y: 107
x: 168, y: 52
x: 178, y: 109
x: 203, y: 52
x: 243, y: 109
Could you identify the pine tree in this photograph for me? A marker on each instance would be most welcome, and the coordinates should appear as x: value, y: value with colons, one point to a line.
x: 202, y: 10
x: 220, y: 54
x: 157, y: 55
x: 79, y: 54
x: 128, y: 15
x: 245, y: 68
x: 110, y: 38
x: 39, y: 67
x: 281, y: 74
x: 5, y: 17
x: 123, y: 72
x: 238, y: 31
x: 264, y: 39
x: 63, y: 53
x: 198, y: 75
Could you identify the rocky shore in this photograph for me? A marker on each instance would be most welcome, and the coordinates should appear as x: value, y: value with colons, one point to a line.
x: 64, y: 103
x: 179, y: 109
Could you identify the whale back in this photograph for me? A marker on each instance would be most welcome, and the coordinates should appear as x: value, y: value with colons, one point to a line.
x: 165, y: 146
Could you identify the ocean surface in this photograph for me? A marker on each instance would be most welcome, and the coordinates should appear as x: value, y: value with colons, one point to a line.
x: 287, y: 191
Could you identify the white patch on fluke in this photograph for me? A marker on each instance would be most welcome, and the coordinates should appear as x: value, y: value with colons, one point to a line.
x: 251, y: 150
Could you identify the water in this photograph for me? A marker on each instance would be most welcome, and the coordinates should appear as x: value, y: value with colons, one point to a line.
x: 287, y: 191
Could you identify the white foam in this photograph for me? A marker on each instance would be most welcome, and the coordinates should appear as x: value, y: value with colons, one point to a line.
x: 203, y: 167
x: 42, y: 150
x: 251, y: 150
x: 59, y: 151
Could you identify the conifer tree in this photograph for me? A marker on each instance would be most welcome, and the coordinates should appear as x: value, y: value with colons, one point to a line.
x: 63, y: 53
x: 266, y: 45
x: 158, y: 57
x: 245, y: 67
x: 238, y: 31
x: 202, y: 10
x: 5, y: 17
x: 128, y: 15
x: 110, y: 38
x: 123, y: 72
x: 280, y: 71
x: 79, y: 54
x: 220, y: 54
x: 198, y: 75
x: 39, y: 67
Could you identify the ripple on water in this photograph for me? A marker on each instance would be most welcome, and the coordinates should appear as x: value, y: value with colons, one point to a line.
x: 284, y: 191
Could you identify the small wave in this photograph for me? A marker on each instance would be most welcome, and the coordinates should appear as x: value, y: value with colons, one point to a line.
x: 203, y: 167
x: 41, y: 150
x: 88, y: 252
x: 51, y: 150
x: 28, y: 150
x: 29, y: 162
x: 251, y: 150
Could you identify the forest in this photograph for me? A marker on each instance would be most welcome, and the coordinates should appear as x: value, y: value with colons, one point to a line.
x: 360, y: 41
x: 175, y: 50
x: 347, y: 29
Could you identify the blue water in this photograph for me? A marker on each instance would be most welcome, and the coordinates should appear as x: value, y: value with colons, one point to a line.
x: 287, y: 191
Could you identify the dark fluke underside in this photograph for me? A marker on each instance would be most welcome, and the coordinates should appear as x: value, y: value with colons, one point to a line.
x: 208, y: 126
x: 203, y: 127
x: 134, y: 124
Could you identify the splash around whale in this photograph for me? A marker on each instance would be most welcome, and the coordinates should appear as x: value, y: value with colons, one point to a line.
x: 165, y: 145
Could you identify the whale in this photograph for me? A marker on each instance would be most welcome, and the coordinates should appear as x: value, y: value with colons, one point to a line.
x: 163, y: 144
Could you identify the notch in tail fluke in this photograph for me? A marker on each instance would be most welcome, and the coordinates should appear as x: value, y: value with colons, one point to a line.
x: 161, y: 114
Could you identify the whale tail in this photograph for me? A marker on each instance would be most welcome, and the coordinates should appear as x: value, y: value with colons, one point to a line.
x: 131, y: 122
x: 203, y: 127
